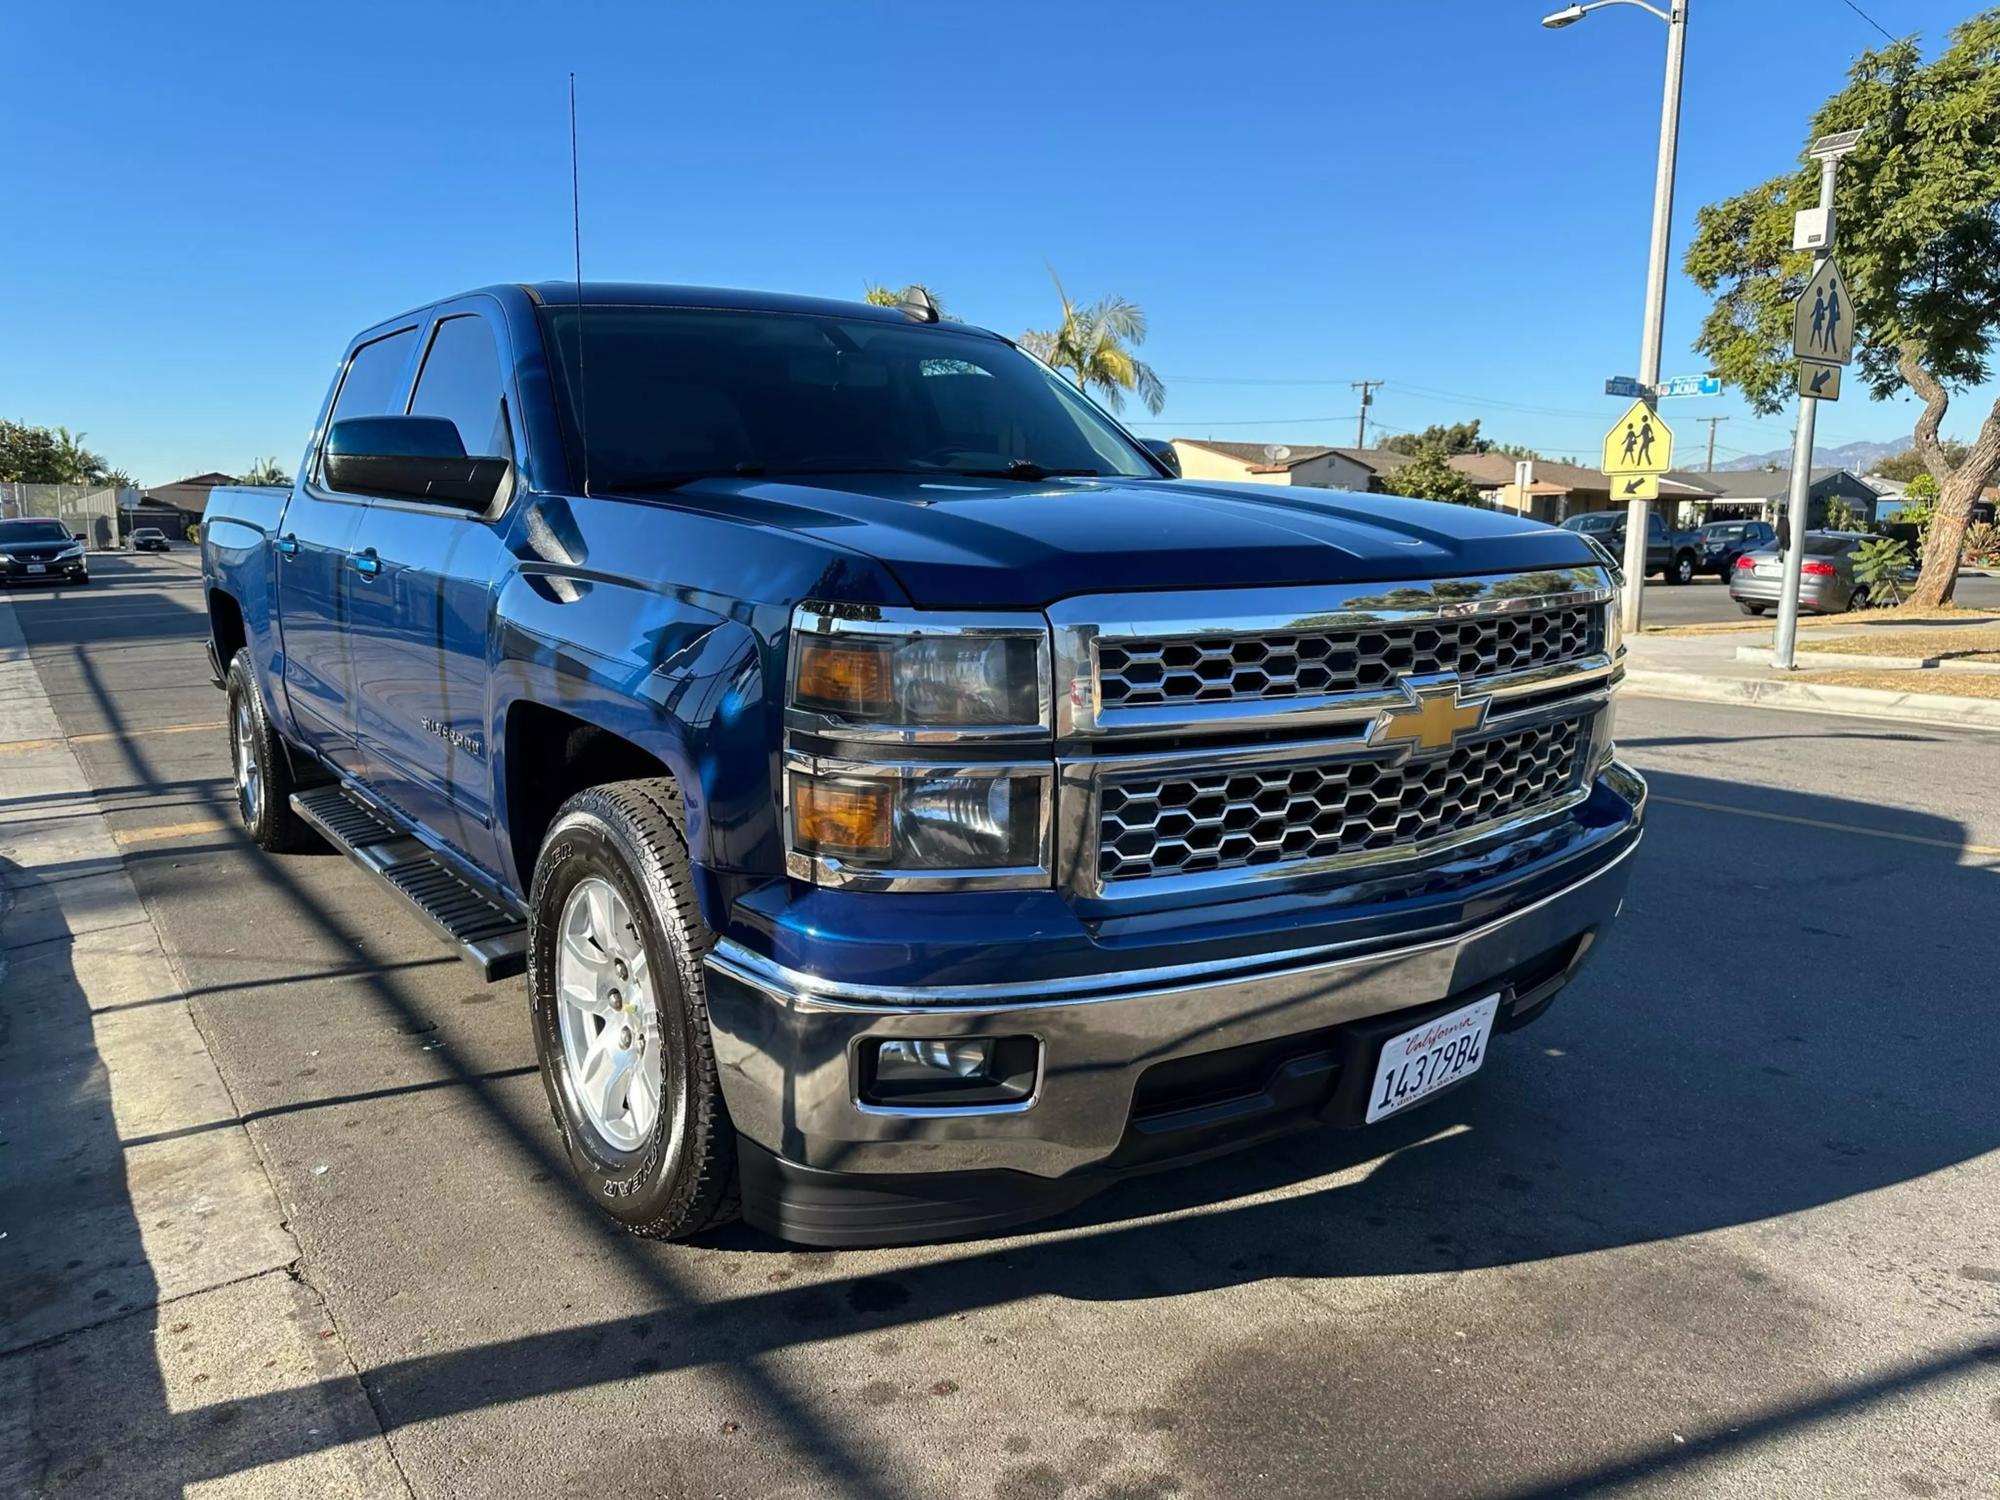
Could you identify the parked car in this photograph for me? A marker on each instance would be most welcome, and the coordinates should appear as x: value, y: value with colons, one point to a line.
x: 40, y: 551
x: 1722, y: 542
x: 1673, y: 555
x: 149, y: 539
x: 1827, y: 584
x: 912, y: 807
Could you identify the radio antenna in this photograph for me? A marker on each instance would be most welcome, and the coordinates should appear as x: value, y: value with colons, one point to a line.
x: 576, y: 235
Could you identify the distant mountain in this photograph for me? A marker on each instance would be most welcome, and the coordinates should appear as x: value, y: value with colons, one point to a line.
x: 1860, y: 457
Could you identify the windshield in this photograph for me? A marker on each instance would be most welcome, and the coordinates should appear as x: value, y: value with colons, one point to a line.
x: 1594, y: 523
x: 673, y: 393
x: 1727, y: 532
x: 33, y: 531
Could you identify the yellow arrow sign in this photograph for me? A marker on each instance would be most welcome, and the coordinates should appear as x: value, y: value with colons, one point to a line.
x: 1822, y: 382
x: 1636, y: 487
x: 1638, y: 443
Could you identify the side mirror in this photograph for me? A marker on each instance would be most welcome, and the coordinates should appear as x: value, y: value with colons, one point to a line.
x: 1163, y: 450
x: 410, y: 458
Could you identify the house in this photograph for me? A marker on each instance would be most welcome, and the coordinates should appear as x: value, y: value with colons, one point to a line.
x: 1557, y: 491
x: 1760, y: 494
x: 174, y: 507
x: 1271, y: 463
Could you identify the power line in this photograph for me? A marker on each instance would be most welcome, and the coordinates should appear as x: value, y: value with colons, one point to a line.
x: 1868, y: 18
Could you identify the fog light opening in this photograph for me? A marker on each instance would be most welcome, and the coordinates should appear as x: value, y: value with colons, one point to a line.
x: 947, y: 1072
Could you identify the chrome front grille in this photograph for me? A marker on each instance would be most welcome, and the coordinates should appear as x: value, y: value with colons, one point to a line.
x: 1159, y: 671
x: 1197, y: 821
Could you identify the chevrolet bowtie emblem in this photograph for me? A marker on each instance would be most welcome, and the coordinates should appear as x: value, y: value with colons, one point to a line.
x: 1434, y: 718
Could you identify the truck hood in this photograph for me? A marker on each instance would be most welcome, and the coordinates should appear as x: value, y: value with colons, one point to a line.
x: 1014, y: 544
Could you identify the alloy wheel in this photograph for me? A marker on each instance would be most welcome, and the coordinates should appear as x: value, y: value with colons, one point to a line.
x: 249, y: 775
x: 606, y: 1015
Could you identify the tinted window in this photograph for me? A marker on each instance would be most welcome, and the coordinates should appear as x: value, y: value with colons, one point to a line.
x: 34, y: 531
x: 461, y: 380
x: 1655, y: 527
x: 1828, y: 546
x: 674, y: 392
x: 1593, y: 523
x: 374, y: 377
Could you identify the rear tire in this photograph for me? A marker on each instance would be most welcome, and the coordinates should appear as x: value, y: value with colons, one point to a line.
x: 1753, y: 609
x: 261, y: 767
x: 1681, y: 569
x: 620, y: 1011
x: 1859, y: 600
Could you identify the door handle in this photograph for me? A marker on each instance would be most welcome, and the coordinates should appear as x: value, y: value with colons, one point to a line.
x: 288, y: 547
x: 367, y: 564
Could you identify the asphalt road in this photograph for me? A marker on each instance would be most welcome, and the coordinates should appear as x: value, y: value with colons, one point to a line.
x: 1722, y: 1224
x: 1707, y: 599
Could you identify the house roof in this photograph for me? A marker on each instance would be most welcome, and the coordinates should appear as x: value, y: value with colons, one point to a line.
x: 1761, y: 484
x: 1381, y: 460
x: 1256, y: 455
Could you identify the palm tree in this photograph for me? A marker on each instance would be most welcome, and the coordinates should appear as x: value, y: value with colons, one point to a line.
x: 74, y: 463
x: 265, y: 471
x: 1093, y: 346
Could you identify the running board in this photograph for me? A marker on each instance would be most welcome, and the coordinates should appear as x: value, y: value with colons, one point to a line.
x: 481, y: 925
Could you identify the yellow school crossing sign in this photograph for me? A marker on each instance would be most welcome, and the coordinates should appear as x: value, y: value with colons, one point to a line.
x: 1639, y: 443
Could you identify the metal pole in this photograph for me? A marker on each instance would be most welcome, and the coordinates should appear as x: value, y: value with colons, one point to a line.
x: 1799, y: 495
x: 1656, y: 294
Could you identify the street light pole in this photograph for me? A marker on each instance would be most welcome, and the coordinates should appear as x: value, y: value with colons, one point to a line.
x: 1656, y: 264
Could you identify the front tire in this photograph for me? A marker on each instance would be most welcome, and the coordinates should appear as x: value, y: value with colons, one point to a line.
x: 1681, y: 569
x: 262, y: 769
x: 620, y: 1010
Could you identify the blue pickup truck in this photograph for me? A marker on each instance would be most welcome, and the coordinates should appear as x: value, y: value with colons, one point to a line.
x: 913, y: 807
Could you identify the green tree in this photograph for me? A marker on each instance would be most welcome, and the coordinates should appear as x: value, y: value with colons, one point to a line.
x: 1919, y: 221
x: 1430, y: 476
x: 27, y: 454
x: 1459, y: 437
x: 265, y: 471
x: 1908, y: 464
x: 883, y: 296
x: 1093, y: 346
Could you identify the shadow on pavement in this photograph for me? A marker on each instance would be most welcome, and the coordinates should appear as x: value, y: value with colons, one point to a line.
x: 1758, y: 1073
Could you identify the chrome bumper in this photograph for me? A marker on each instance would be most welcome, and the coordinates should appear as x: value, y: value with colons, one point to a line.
x: 786, y: 1043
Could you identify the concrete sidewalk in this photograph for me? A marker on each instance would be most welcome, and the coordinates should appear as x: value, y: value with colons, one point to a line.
x: 149, y: 1285
x: 1709, y: 669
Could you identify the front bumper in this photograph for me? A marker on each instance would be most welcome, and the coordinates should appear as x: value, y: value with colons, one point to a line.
x: 68, y: 570
x: 822, y: 1167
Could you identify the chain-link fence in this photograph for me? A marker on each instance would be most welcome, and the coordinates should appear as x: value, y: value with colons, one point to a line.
x: 90, y: 511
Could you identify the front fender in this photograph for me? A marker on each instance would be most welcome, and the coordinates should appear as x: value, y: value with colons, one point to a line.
x: 663, y: 670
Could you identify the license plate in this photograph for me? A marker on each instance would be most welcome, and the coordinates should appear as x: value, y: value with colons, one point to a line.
x: 37, y: 568
x: 1770, y: 570
x: 1426, y: 1058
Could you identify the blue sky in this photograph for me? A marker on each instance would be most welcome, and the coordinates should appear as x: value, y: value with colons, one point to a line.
x: 202, y: 202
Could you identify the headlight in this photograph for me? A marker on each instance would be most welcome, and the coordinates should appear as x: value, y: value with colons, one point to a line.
x: 861, y: 823
x: 896, y: 679
x: 1614, y: 622
x: 864, y: 679
x: 75, y: 549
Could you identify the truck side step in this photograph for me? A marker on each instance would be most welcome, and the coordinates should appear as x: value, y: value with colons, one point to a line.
x: 481, y: 924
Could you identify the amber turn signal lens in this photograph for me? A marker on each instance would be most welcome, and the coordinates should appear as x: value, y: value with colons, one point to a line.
x: 829, y: 819
x: 844, y: 675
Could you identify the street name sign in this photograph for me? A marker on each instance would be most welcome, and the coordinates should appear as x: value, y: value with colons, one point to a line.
x: 1821, y: 382
x: 1638, y: 443
x: 1691, y: 385
x: 1823, y: 318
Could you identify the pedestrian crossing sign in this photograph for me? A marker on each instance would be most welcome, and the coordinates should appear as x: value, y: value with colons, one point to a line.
x: 1638, y: 443
x: 1823, y: 318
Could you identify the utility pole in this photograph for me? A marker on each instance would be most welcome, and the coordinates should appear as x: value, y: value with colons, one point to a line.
x: 1827, y: 151
x: 1675, y: 15
x: 1711, y: 440
x: 1367, y: 389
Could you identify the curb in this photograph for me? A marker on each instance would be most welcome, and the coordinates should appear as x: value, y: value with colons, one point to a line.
x: 1939, y: 709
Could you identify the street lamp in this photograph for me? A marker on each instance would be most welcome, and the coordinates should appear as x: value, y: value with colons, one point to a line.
x: 1656, y: 265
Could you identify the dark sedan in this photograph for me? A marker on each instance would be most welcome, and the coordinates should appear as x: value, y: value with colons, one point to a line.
x: 149, y: 539
x: 38, y: 551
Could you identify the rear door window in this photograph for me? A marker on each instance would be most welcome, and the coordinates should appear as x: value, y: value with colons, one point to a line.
x: 374, y: 377
x: 461, y: 381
